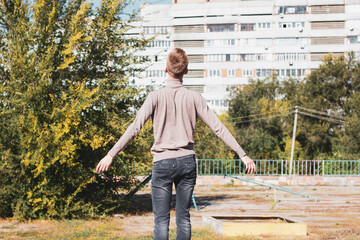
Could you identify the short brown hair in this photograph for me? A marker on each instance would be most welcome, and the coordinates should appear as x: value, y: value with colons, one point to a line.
x: 177, y: 62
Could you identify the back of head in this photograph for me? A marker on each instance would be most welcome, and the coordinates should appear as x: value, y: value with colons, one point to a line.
x: 177, y: 63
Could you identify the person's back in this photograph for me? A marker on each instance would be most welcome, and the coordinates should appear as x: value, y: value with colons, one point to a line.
x: 174, y: 110
x: 174, y: 121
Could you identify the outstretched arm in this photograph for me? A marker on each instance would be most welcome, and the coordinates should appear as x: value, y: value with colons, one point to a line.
x: 211, y: 120
x: 133, y: 130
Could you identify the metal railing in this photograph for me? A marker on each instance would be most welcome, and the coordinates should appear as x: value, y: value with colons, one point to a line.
x: 280, y: 167
x: 265, y: 167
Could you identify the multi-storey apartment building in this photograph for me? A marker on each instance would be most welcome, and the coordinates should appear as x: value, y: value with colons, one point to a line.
x: 229, y: 42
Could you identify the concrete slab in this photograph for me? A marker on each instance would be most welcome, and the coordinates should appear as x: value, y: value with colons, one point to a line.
x: 235, y: 225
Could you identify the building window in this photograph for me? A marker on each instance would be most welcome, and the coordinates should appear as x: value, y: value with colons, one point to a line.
x: 291, y: 24
x: 293, y: 9
x: 247, y: 26
x: 260, y: 56
x: 221, y: 27
x: 214, y: 73
x: 231, y: 72
x: 153, y: 58
x: 352, y: 39
x: 284, y: 25
x: 247, y: 41
x: 218, y: 102
x: 155, y: 73
x: 221, y: 58
x: 247, y: 72
x: 263, y: 41
x: 159, y: 44
x: 252, y: 57
x: 290, y: 56
x: 215, y: 58
x: 256, y: 42
x: 220, y: 42
x: 224, y: 103
x: 290, y: 72
x: 263, y: 25
x: 157, y: 29
x: 301, y: 72
x: 263, y: 72
x: 290, y: 41
x: 247, y: 57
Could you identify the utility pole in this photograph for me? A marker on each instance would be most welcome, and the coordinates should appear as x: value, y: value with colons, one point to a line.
x: 293, y: 141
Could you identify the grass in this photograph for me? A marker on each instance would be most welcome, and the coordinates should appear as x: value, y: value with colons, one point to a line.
x: 108, y: 229
x: 8, y: 227
x: 197, y: 234
x: 113, y: 228
x: 63, y: 230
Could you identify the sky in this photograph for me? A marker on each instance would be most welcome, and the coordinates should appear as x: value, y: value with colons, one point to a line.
x: 137, y: 3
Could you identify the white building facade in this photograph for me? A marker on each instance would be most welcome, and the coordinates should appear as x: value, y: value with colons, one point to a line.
x: 229, y: 42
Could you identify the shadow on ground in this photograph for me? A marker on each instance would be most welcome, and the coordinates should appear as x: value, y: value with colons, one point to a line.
x: 141, y: 203
x: 204, y: 201
x: 137, y: 204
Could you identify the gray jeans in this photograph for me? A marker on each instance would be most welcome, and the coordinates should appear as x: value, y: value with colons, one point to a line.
x: 182, y: 172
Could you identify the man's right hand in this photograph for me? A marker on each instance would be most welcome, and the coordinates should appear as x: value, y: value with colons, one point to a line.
x: 250, y: 165
x: 104, y: 164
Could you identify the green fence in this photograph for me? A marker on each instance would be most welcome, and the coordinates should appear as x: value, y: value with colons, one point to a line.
x: 280, y: 167
x: 265, y: 167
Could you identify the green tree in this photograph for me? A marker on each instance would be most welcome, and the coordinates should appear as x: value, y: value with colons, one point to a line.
x: 333, y: 88
x: 65, y: 99
x: 257, y: 114
x: 208, y: 145
x: 262, y: 113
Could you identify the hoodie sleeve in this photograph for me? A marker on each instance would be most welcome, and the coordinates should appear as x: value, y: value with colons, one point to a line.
x: 212, y: 121
x: 133, y: 130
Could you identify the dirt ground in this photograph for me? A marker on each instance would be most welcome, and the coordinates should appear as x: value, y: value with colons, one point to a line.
x: 335, y: 216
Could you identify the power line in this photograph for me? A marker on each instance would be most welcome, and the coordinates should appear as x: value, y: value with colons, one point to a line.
x: 321, y: 113
x: 255, y: 119
x: 323, y: 118
x: 257, y: 114
x: 338, y: 120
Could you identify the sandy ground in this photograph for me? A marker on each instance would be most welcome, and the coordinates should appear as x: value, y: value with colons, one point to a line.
x: 335, y: 216
x: 336, y: 213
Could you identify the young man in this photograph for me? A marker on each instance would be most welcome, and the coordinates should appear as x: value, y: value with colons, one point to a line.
x: 174, y: 110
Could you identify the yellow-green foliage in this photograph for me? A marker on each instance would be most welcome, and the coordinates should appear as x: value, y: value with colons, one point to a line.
x: 63, y: 104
